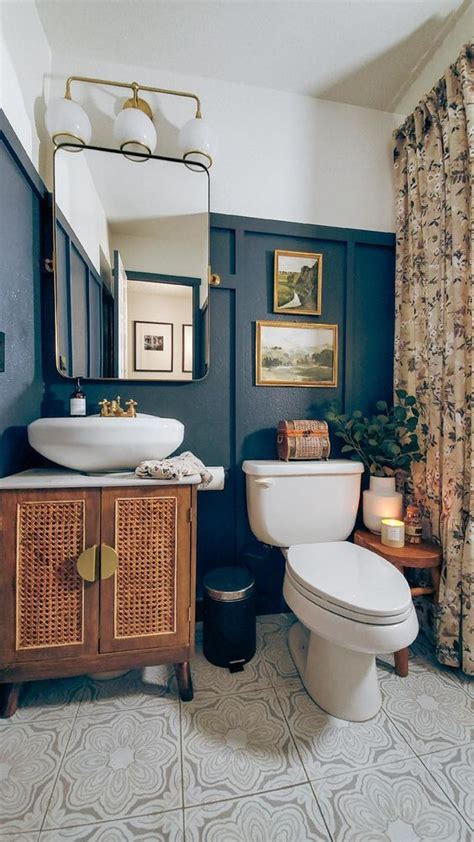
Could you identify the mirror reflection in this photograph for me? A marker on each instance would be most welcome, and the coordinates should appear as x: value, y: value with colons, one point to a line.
x: 131, y: 266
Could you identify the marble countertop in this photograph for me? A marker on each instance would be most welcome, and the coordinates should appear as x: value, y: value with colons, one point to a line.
x: 65, y: 478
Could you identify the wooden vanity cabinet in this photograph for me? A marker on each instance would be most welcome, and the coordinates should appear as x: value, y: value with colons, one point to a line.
x: 53, y: 623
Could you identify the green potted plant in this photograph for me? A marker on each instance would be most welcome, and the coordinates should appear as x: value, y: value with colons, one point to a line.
x: 387, y: 444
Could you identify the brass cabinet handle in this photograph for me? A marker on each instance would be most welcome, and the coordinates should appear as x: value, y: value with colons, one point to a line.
x: 87, y: 564
x: 108, y: 561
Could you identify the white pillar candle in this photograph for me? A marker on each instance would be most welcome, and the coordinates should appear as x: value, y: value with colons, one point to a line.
x: 393, y: 532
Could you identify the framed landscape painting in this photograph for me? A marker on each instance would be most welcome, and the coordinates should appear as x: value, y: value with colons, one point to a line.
x: 153, y: 346
x: 296, y: 354
x: 298, y: 278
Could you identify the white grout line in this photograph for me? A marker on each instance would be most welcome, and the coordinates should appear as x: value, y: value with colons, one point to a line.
x: 276, y: 682
x: 446, y: 795
x: 331, y: 837
x: 302, y: 762
x: 119, y: 820
x: 60, y: 765
x: 181, y: 753
x: 243, y: 796
x: 417, y: 760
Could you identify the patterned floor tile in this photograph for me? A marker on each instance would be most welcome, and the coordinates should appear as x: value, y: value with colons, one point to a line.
x: 430, y: 711
x: 119, y: 777
x: 423, y: 658
x: 30, y: 755
x: 386, y: 662
x: 453, y: 769
x: 467, y: 683
x: 50, y: 700
x: 118, y: 765
x: 328, y: 745
x: 287, y: 815
x: 236, y: 745
x: 164, y: 827
x: 272, y: 637
x: 396, y: 803
x: 208, y: 678
x: 281, y: 620
x: 419, y: 658
x: 144, y: 689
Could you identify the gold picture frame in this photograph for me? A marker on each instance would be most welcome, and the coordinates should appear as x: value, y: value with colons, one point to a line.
x: 298, y: 282
x: 285, y: 354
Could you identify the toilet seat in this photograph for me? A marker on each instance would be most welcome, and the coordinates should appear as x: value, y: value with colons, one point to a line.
x: 347, y: 613
x: 349, y: 581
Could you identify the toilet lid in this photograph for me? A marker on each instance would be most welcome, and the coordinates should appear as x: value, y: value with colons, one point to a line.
x: 350, y: 576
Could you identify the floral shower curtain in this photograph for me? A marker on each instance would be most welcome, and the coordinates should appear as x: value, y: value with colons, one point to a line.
x: 434, y: 174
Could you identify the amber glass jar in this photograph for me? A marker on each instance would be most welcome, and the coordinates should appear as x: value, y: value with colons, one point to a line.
x: 413, y: 525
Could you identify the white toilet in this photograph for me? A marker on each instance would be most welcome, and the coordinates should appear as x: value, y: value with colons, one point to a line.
x: 351, y: 603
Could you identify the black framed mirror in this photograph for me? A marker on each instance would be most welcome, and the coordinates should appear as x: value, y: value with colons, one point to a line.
x: 131, y: 265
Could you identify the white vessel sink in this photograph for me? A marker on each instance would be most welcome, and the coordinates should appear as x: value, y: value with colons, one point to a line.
x: 101, y: 444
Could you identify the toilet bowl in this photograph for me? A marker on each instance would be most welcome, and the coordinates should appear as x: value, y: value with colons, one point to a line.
x: 351, y: 603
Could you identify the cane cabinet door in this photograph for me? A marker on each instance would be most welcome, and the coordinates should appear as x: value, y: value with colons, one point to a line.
x: 47, y: 610
x: 146, y: 602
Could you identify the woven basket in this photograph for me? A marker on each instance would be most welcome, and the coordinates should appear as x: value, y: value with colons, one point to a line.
x: 303, y: 440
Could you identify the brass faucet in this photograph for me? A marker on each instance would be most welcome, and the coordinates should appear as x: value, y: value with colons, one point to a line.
x: 113, y: 408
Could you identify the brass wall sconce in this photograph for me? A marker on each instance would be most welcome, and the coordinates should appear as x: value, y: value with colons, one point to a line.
x: 134, y: 130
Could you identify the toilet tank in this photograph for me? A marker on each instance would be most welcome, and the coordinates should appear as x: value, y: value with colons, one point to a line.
x: 296, y: 502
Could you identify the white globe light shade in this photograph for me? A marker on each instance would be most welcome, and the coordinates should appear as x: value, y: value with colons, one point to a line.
x: 134, y: 131
x: 67, y: 122
x: 196, y: 141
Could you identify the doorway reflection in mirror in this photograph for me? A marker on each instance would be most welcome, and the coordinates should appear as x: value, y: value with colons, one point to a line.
x: 132, y: 249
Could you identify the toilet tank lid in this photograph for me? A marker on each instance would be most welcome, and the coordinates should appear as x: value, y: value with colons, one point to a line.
x: 277, y: 468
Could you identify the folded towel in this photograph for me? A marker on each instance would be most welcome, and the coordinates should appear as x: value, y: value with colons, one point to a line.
x: 184, y: 465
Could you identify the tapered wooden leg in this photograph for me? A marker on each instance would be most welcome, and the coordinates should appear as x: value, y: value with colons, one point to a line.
x: 401, y: 662
x: 185, y: 683
x: 9, y: 695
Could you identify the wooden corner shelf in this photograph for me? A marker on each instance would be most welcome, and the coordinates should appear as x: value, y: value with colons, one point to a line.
x: 424, y: 556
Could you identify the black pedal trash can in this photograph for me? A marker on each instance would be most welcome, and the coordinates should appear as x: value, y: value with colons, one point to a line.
x: 229, y: 637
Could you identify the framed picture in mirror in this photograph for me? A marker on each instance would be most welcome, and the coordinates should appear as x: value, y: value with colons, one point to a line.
x: 298, y: 278
x: 153, y: 346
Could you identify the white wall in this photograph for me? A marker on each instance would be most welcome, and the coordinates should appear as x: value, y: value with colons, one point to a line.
x: 280, y: 156
x: 175, y: 246
x: 80, y: 203
x: 154, y: 307
x: 441, y: 58
x: 25, y: 70
x: 25, y: 73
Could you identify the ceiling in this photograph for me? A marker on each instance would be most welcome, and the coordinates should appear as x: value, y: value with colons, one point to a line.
x: 361, y: 52
x: 151, y: 288
x: 135, y: 195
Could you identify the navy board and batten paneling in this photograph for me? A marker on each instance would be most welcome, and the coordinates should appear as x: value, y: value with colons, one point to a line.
x: 80, y: 303
x: 358, y: 295
x: 21, y: 384
x: 227, y: 417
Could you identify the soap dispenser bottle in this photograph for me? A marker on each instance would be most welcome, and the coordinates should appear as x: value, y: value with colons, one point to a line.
x: 77, y: 402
